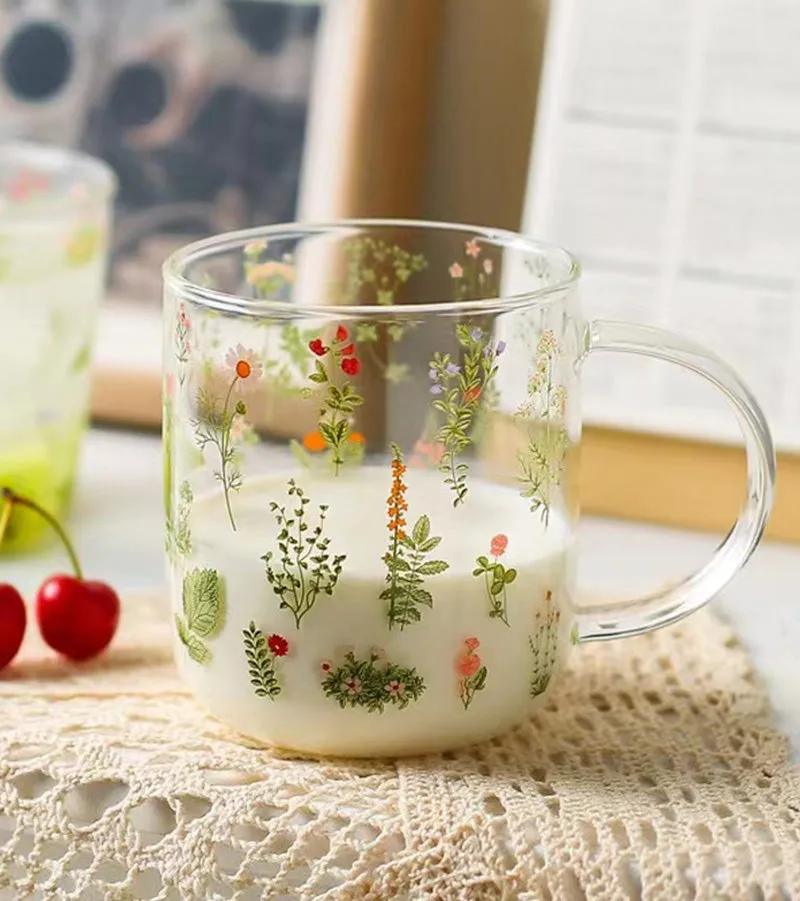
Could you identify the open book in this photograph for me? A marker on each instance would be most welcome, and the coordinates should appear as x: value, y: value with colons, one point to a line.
x: 667, y: 158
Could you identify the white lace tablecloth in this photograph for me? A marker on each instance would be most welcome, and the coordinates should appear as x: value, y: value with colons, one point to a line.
x: 653, y: 773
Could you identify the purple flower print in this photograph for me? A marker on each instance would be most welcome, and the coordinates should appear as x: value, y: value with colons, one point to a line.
x: 476, y: 334
x: 452, y: 369
x: 436, y: 388
x: 501, y: 346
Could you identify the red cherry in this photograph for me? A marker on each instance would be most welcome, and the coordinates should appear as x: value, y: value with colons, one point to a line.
x: 12, y: 623
x: 77, y: 618
x: 341, y: 333
x: 351, y: 366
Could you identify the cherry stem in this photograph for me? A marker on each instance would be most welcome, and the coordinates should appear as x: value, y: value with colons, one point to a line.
x: 12, y: 499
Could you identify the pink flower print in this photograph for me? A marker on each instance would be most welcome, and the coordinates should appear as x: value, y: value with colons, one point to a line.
x: 169, y: 384
x: 183, y: 319
x: 473, y: 248
x: 240, y: 428
x: 499, y: 545
x: 455, y: 271
x: 395, y: 688
x: 353, y: 684
x: 488, y: 266
x: 326, y: 666
x: 468, y: 664
x: 472, y: 644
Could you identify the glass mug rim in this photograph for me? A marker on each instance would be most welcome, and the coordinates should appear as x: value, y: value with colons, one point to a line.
x: 176, y: 265
x: 98, y: 177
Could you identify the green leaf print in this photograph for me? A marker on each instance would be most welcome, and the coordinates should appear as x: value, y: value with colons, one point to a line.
x: 196, y: 649
x: 204, y: 602
x: 261, y: 663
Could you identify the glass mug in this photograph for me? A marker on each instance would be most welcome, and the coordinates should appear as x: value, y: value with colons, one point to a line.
x: 55, y: 207
x: 371, y: 432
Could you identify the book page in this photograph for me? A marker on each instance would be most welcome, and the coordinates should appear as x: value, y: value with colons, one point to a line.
x: 667, y: 158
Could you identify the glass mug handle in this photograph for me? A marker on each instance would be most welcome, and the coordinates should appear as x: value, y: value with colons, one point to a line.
x: 661, y: 608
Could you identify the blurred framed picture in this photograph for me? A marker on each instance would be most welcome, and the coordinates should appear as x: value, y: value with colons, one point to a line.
x: 203, y: 108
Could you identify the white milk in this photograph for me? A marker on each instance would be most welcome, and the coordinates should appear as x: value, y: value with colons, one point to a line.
x: 302, y: 716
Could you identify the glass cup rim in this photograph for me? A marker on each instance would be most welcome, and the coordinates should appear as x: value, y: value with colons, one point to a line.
x: 99, y: 178
x: 223, y: 302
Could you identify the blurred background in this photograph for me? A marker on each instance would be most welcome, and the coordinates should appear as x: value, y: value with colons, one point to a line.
x: 658, y: 141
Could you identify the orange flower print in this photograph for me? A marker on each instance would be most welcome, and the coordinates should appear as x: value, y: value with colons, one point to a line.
x: 472, y: 248
x: 496, y: 577
x: 260, y: 273
x: 470, y: 670
x: 314, y: 442
x: 427, y: 454
x: 244, y: 365
x: 396, y: 502
x: 498, y: 545
x: 356, y: 438
x: 472, y: 394
x: 456, y: 270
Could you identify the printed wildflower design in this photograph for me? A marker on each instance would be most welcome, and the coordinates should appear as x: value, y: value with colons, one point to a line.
x: 496, y: 578
x: 405, y: 560
x: 376, y: 274
x: 544, y: 645
x: 371, y: 683
x: 471, y: 671
x: 179, y: 536
x: 305, y: 568
x: 204, y: 610
x: 268, y: 277
x: 542, y: 462
x: 472, y: 278
x: 213, y: 425
x: 262, y: 655
x: 458, y: 391
x: 183, y: 341
x: 338, y: 404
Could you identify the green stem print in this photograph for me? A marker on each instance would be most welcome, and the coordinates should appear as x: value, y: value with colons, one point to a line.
x: 262, y: 654
x: 471, y: 672
x: 376, y: 274
x: 371, y: 683
x: 496, y: 577
x: 338, y: 403
x: 305, y: 568
x: 405, y: 560
x: 544, y: 644
x: 542, y: 462
x: 183, y: 341
x: 204, y: 611
x: 458, y: 390
x: 179, y: 534
x: 213, y: 425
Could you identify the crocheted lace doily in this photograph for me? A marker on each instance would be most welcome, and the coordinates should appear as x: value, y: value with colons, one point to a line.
x: 653, y: 773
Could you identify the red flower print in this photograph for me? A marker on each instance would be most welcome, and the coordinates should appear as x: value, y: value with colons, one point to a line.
x: 395, y: 688
x: 351, y: 366
x: 499, y: 545
x: 353, y: 684
x: 243, y: 369
x: 472, y: 394
x: 326, y: 666
x: 317, y: 347
x: 348, y: 351
x: 278, y: 645
x: 342, y: 334
x: 472, y: 644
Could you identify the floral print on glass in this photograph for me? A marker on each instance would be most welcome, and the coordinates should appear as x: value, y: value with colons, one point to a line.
x: 470, y: 671
x: 304, y: 568
x: 215, y: 420
x: 338, y: 403
x: 371, y: 683
x: 541, y: 463
x: 406, y: 563
x: 544, y: 645
x: 458, y: 390
x: 496, y: 578
x: 263, y: 654
x: 204, y: 609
